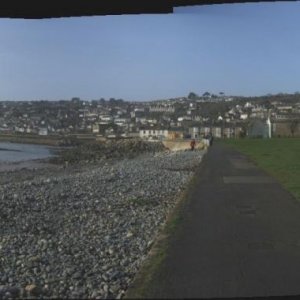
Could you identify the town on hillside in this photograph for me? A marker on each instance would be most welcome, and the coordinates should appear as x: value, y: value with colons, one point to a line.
x: 193, y: 116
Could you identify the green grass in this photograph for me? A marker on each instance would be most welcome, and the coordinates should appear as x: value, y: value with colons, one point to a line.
x: 280, y: 157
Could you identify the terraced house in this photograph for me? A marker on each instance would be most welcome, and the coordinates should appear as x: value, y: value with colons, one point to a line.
x: 152, y: 132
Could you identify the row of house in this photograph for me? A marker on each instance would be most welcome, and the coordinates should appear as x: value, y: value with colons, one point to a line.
x: 192, y: 132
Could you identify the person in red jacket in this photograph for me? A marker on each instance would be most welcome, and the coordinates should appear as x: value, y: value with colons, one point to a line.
x: 193, y: 143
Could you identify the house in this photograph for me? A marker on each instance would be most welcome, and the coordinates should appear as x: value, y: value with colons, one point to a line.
x: 152, y: 132
x: 19, y: 129
x: 43, y: 131
x: 175, y: 133
x: 184, y: 118
x: 248, y: 105
x: 244, y: 116
x: 287, y: 116
x: 216, y: 131
x: 106, y: 118
x: 283, y: 128
x: 141, y: 120
x: 152, y: 121
x: 137, y: 113
x: 194, y: 132
x: 228, y: 132
x: 95, y: 128
x: 6, y: 130
x: 238, y: 131
x: 205, y: 130
x: 285, y: 108
x: 259, y: 128
x: 121, y: 121
x: 162, y: 108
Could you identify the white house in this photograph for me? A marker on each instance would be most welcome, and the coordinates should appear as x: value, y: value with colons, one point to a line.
x: 217, y: 132
x: 156, y: 133
x: 244, y: 116
x: 162, y: 108
x: 95, y: 128
x: 106, y: 118
x: 43, y: 131
x: 194, y: 132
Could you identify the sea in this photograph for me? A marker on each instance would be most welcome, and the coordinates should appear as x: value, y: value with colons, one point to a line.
x: 16, y: 156
x: 12, y: 152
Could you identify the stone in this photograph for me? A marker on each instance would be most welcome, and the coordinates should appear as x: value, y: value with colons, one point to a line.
x: 129, y: 234
x: 32, y: 290
x: 14, y: 291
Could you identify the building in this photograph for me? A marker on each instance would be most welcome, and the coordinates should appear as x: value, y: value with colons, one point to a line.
x: 228, y: 132
x: 162, y: 108
x: 157, y: 133
x: 194, y: 132
x: 95, y: 128
x: 286, y: 128
x: 216, y: 131
x: 175, y: 133
x: 205, y: 130
x: 259, y: 129
x: 43, y: 131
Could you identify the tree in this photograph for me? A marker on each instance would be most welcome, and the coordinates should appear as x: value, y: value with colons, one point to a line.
x: 192, y: 96
x: 267, y: 104
x: 206, y: 94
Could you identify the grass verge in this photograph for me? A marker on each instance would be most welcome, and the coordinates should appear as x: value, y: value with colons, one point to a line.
x: 279, y: 157
x: 143, y: 281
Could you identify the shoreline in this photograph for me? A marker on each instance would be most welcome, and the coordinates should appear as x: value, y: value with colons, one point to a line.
x: 13, y: 150
x: 36, y: 140
x: 31, y: 164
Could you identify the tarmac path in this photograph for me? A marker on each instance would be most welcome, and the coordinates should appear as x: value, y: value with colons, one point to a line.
x: 240, y: 235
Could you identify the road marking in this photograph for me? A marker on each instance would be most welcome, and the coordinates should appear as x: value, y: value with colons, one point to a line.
x: 246, y: 210
x: 248, y: 179
x: 241, y: 164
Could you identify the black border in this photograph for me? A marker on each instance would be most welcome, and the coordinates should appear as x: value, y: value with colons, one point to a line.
x: 39, y: 9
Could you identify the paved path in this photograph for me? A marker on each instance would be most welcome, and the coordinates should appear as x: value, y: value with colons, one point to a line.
x: 240, y: 236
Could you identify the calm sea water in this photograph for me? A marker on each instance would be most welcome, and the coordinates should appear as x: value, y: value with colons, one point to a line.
x: 10, y: 152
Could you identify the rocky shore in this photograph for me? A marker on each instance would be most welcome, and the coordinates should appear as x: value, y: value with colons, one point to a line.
x: 83, y: 231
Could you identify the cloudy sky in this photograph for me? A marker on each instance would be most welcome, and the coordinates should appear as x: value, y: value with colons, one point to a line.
x: 239, y: 49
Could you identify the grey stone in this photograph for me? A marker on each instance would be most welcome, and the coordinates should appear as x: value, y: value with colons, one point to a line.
x: 91, y: 229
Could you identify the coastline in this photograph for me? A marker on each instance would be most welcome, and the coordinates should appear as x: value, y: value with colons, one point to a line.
x: 11, y: 150
x: 49, y: 140
x: 15, y: 156
x: 31, y: 164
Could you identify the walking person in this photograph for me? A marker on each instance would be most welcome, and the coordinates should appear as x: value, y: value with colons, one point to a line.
x: 193, y: 143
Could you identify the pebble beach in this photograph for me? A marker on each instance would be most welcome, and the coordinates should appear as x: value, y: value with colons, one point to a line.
x: 84, y: 231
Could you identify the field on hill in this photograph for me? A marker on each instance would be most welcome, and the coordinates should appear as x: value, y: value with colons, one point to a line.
x: 280, y: 157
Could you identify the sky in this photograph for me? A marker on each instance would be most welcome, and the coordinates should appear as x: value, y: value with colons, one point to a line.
x: 244, y: 49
